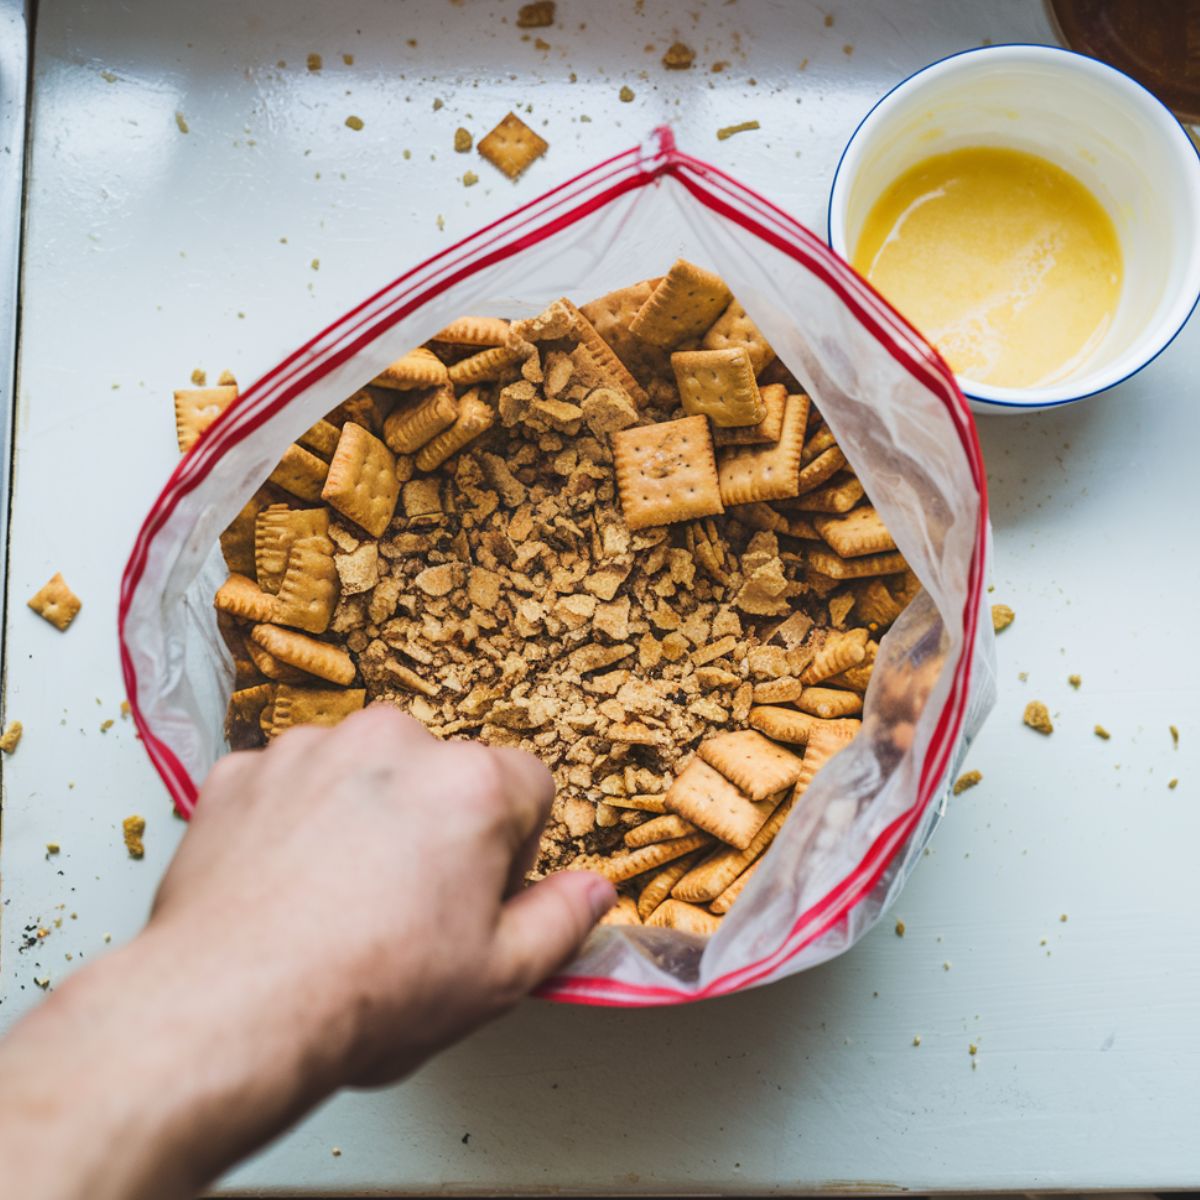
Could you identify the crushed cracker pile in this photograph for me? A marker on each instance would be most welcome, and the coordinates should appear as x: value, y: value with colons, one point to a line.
x: 619, y: 537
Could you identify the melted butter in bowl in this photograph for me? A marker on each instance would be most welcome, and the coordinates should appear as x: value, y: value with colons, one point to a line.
x: 1007, y: 263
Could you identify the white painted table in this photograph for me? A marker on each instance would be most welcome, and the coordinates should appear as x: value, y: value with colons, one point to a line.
x: 150, y: 252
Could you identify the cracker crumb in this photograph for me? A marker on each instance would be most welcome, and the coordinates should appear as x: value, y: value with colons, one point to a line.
x: 1023, y: 676
x: 52, y: 847
x: 729, y: 130
x: 541, y: 44
x: 353, y: 122
x: 181, y: 122
x: 1037, y: 716
x: 133, y: 828
x: 916, y: 1039
x: 315, y: 264
x: 625, y: 95
x: 348, y: 59
x: 336, y: 1151
x: 900, y: 927
x: 11, y: 736
x: 463, y: 141
x: 1101, y: 732
x: 470, y: 179
x: 42, y: 981
x: 679, y: 57
x: 1173, y: 784
x: 829, y: 20
x: 1174, y: 736
x: 1075, y: 681
x: 536, y: 16
x: 946, y: 965
x: 199, y: 377
x: 105, y: 726
x: 125, y: 710
x: 1063, y: 918
x: 314, y: 62
x: 968, y: 779
x: 972, y: 1049
x: 1002, y: 617
x: 438, y: 104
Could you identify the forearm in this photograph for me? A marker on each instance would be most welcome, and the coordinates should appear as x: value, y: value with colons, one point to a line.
x: 146, y: 1075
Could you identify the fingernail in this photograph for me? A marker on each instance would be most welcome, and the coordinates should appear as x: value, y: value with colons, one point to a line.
x: 601, y: 895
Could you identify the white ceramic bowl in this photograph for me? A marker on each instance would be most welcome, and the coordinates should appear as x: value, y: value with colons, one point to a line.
x: 1093, y: 121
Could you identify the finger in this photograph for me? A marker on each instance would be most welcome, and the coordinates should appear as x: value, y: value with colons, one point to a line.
x: 529, y: 789
x: 542, y: 928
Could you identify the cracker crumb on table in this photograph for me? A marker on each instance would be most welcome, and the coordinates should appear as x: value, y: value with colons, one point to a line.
x: 1101, y: 732
x: 11, y: 736
x: 968, y: 779
x: 1037, y: 716
x: 679, y: 57
x: 1002, y: 617
x: 133, y: 828
x: 528, y: 532
x: 727, y: 131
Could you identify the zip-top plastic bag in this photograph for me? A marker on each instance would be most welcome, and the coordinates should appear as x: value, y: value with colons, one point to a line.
x: 844, y: 853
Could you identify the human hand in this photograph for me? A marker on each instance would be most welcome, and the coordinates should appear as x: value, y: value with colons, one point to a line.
x: 371, y: 877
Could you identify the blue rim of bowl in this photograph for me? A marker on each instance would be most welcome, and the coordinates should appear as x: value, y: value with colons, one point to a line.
x: 1025, y: 404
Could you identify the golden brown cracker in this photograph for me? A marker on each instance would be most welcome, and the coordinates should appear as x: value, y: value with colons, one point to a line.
x: 362, y: 482
x: 313, y: 706
x: 718, y: 384
x: 612, y: 314
x: 658, y: 829
x: 838, y: 652
x: 406, y: 430
x: 322, y: 659
x: 619, y: 867
x: 836, y: 567
x: 301, y: 473
x: 733, y: 328
x: 273, y: 668
x: 321, y: 439
x: 840, y: 495
x: 367, y: 407
x: 861, y: 531
x: 820, y: 470
x: 666, y: 472
x: 237, y: 539
x: 308, y: 593
x: 708, y: 879
x: 603, y: 358
x: 724, y: 902
x: 767, y: 431
x: 418, y: 368
x: 874, y: 603
x: 243, y: 598
x: 790, y: 725
x: 196, y: 409
x: 749, y: 473
x: 702, y: 795
x: 512, y: 146
x: 818, y: 441
x: 685, y: 918
x: 658, y: 886
x: 475, y: 416
x: 778, y: 691
x: 487, y: 366
x: 684, y: 305
x: 828, y: 739
x: 829, y: 703
x: 275, y: 529
x: 55, y: 602
x: 641, y: 803
x: 624, y: 912
x: 755, y: 765
x: 474, y: 331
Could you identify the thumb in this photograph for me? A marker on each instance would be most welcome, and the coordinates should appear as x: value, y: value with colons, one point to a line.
x: 542, y: 927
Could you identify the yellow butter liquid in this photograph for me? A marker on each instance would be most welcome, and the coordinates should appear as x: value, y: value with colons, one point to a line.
x: 1004, y: 261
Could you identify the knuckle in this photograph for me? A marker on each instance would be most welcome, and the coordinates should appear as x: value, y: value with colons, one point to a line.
x: 478, y: 773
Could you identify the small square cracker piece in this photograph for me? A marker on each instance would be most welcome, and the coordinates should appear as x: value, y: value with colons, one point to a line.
x: 719, y: 384
x: 362, y: 483
x: 702, y: 795
x: 683, y: 306
x: 512, y: 146
x: 734, y: 328
x: 196, y: 409
x: 666, y: 472
x: 861, y: 531
x: 55, y: 602
x: 749, y: 473
x: 758, y: 766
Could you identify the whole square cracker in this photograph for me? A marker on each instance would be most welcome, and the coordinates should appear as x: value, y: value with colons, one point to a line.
x: 362, y: 483
x: 55, y: 602
x: 406, y: 430
x: 666, y: 472
x: 612, y: 314
x: 746, y: 758
x: 512, y: 146
x: 300, y: 472
x: 683, y: 306
x: 313, y: 706
x: 308, y: 593
x: 748, y: 473
x: 196, y: 409
x: 719, y: 384
x: 702, y: 795
x: 734, y: 328
x: 305, y: 653
x: 275, y: 529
